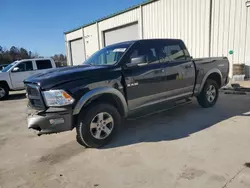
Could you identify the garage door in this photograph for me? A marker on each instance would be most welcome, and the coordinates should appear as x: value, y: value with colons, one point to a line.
x: 77, y: 52
x: 121, y: 34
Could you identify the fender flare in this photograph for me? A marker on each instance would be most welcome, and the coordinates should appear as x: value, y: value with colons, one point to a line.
x: 5, y: 82
x: 214, y: 70
x: 98, y: 91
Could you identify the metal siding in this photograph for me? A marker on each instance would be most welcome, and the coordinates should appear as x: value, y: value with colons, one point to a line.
x: 247, y: 43
x: 117, y: 21
x: 74, y: 35
x: 68, y: 53
x: 77, y: 52
x: 91, y: 39
x: 242, y: 32
x: 126, y: 33
x: 237, y: 26
x: 184, y: 19
x: 229, y: 30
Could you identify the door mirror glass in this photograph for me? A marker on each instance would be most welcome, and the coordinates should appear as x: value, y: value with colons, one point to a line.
x: 137, y: 61
x: 15, y: 69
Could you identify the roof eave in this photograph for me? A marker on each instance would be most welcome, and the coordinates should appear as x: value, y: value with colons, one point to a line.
x: 111, y: 15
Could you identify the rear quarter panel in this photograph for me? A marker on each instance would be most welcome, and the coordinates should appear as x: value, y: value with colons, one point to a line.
x: 207, y: 66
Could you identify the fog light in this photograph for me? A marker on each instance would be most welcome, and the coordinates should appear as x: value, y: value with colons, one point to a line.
x: 56, y: 121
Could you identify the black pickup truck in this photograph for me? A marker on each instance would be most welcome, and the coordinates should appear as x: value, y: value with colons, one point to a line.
x: 117, y: 81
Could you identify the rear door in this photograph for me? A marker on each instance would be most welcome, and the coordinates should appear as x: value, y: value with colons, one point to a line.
x: 179, y: 68
x: 145, y: 83
x: 42, y: 65
x: 25, y: 69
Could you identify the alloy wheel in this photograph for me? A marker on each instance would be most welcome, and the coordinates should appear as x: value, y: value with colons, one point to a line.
x: 101, y: 125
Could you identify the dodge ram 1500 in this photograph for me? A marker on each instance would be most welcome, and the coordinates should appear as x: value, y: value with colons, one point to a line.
x: 117, y: 81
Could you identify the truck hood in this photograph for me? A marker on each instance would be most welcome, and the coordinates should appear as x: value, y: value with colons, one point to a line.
x: 53, y: 77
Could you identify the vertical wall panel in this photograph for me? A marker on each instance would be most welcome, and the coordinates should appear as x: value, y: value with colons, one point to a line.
x: 247, y: 44
x: 117, y: 21
x: 74, y: 35
x: 229, y: 30
x: 184, y: 19
x: 225, y: 42
x: 91, y: 39
x: 68, y: 52
x: 242, y: 32
x: 237, y: 26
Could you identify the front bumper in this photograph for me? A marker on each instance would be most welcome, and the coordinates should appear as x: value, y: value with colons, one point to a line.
x: 53, y: 120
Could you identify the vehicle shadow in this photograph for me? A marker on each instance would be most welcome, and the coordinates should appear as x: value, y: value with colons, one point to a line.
x: 178, y: 123
x: 16, y: 96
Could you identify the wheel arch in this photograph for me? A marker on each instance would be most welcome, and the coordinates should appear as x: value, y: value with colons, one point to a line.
x: 109, y: 95
x: 213, y: 74
x: 5, y: 83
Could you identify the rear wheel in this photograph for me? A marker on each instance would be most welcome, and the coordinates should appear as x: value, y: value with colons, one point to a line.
x: 97, y: 125
x: 209, y: 94
x: 4, y: 91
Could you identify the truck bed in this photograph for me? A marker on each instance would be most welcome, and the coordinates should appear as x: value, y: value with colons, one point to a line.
x: 212, y: 64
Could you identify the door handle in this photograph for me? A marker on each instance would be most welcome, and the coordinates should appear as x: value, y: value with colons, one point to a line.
x: 188, y: 66
x: 160, y: 71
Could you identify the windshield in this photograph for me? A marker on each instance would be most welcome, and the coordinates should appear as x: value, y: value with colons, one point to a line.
x: 8, y: 67
x: 109, y: 55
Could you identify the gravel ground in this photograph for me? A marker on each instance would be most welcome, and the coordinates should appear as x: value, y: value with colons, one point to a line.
x: 185, y: 147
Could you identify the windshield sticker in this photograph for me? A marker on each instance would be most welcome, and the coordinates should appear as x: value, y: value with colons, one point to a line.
x: 119, y: 50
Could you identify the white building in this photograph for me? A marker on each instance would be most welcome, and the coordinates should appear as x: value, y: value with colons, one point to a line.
x: 208, y: 27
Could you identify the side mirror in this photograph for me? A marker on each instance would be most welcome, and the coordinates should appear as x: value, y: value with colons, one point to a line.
x: 138, y: 61
x: 15, y: 69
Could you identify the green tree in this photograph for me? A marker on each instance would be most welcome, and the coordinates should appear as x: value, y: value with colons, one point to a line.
x: 61, y: 57
x: 23, y: 53
x: 14, y: 52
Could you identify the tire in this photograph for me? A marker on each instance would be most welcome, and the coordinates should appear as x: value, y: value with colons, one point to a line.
x: 205, y: 98
x: 91, y: 132
x: 4, y: 91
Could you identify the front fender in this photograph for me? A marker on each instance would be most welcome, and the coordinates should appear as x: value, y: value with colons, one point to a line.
x: 98, y: 91
x: 5, y: 78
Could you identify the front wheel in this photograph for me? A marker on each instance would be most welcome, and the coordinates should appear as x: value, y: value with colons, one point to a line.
x: 4, y: 91
x: 97, y: 125
x: 209, y: 94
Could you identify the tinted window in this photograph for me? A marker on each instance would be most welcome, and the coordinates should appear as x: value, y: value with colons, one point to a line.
x: 25, y: 66
x: 43, y: 64
x: 172, y: 52
x: 147, y: 49
x: 108, y: 55
x: 9, y: 67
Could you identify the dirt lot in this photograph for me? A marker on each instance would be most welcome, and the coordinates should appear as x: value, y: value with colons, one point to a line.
x: 185, y: 147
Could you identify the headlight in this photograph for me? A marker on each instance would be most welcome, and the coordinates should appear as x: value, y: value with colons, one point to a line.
x: 57, y: 98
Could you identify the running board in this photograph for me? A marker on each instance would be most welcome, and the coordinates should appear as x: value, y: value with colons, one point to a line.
x: 175, y: 105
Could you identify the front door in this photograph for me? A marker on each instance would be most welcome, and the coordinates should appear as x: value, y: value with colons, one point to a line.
x: 21, y: 72
x: 145, y: 82
x: 179, y: 69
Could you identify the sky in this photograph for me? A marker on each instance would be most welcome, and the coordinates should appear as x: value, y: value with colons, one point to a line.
x: 39, y: 25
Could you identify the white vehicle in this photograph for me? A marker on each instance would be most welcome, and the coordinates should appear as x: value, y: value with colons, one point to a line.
x: 12, y: 76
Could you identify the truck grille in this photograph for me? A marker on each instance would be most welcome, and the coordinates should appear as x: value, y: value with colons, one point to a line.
x: 35, y: 97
